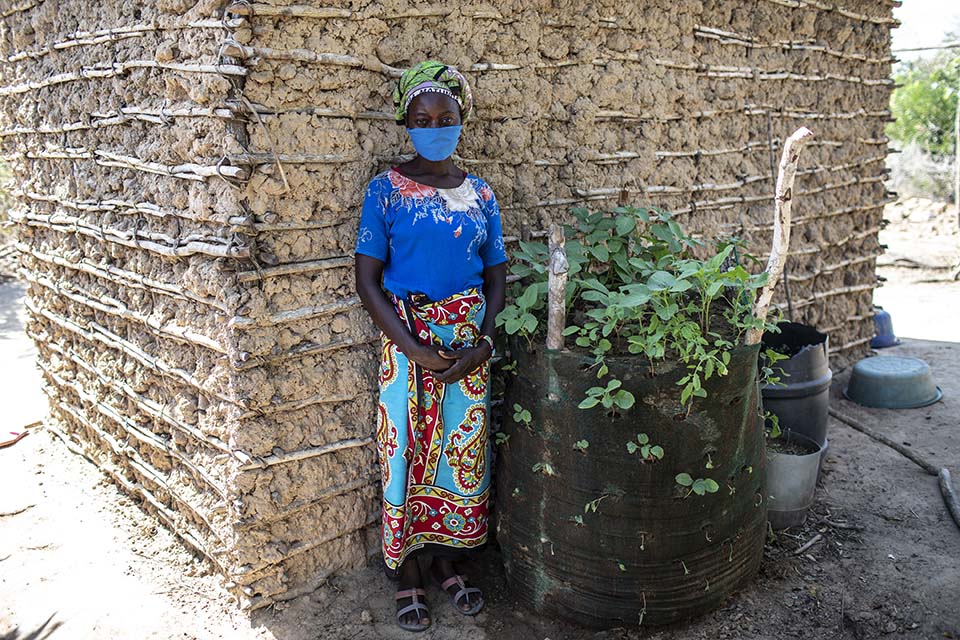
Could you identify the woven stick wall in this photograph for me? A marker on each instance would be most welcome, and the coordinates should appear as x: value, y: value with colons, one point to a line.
x: 189, y: 181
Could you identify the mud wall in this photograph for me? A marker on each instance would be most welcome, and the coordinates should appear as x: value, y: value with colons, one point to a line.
x: 189, y: 178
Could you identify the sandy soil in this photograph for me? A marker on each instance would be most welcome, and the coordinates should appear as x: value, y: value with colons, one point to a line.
x: 78, y: 559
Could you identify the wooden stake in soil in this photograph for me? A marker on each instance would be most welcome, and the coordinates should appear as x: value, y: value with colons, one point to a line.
x: 783, y: 200
x: 556, y: 288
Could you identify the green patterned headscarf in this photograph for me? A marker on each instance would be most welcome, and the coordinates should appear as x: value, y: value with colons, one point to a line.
x: 431, y: 77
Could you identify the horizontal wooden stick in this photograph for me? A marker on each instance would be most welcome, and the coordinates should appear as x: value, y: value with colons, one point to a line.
x: 114, y: 307
x: 825, y: 6
x: 730, y: 37
x: 304, y: 454
x: 602, y: 114
x: 273, y: 409
x: 282, y: 227
x: 122, y: 207
x: 850, y: 345
x: 830, y: 268
x: 187, y: 511
x: 324, y: 495
x: 821, y: 295
x: 835, y: 329
x: 816, y: 217
x: 85, y: 38
x: 167, y: 516
x: 98, y: 333
x: 330, y: 13
x: 297, y: 315
x: 747, y: 180
x: 307, y: 56
x: 750, y: 73
x: 136, y: 239
x: 119, y: 68
x: 295, y: 268
x: 291, y: 158
x: 307, y: 545
x: 252, y: 361
x: 323, y: 112
x: 23, y: 6
x: 150, y: 407
x: 187, y: 171
x: 130, y: 429
x: 124, y: 277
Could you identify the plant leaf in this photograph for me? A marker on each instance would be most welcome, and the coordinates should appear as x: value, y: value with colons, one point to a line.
x: 684, y: 479
x: 588, y: 403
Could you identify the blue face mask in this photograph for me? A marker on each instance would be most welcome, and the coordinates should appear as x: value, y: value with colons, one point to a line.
x: 435, y: 143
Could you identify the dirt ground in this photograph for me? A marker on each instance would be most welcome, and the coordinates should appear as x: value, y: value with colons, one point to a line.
x: 79, y: 559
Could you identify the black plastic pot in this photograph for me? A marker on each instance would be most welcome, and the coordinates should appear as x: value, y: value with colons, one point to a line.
x: 802, y: 404
x: 652, y: 552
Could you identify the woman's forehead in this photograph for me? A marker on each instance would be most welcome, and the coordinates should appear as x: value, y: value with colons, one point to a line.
x: 433, y: 103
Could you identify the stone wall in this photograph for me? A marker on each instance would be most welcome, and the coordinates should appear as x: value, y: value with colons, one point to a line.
x: 189, y: 177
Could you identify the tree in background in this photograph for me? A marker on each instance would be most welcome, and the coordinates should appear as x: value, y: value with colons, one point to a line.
x: 925, y: 109
x: 925, y: 106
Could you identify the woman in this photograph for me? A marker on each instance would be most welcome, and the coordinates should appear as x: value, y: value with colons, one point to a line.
x: 432, y: 233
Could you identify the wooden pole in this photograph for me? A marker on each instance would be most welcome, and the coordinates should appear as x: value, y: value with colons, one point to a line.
x: 943, y: 474
x: 783, y: 201
x: 556, y: 288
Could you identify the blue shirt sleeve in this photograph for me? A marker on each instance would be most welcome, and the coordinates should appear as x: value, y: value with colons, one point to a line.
x: 372, y: 237
x: 492, y: 252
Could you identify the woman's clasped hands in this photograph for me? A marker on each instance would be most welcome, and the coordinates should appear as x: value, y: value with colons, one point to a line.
x: 451, y: 365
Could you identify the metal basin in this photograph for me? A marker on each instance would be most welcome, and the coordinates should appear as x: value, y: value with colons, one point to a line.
x: 892, y: 382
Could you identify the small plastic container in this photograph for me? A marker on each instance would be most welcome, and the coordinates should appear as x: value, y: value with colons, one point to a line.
x: 884, y: 327
x: 892, y: 382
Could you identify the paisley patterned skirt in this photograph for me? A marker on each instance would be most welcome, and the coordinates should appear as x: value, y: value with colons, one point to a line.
x: 432, y: 438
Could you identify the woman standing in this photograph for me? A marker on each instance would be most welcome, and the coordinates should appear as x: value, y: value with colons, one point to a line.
x: 432, y: 233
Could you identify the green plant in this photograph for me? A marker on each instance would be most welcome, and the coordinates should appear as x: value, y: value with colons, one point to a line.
x: 770, y: 375
x: 593, y: 505
x: 699, y: 486
x: 648, y: 452
x: 638, y: 284
x: 521, y: 415
x: 610, y: 397
x: 543, y: 467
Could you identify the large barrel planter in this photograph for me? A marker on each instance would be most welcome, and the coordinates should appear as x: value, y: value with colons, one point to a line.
x: 652, y: 552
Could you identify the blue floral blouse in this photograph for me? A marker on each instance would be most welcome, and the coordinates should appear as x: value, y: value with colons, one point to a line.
x: 432, y: 241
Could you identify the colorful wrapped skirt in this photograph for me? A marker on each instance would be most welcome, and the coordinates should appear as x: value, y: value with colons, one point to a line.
x: 432, y: 438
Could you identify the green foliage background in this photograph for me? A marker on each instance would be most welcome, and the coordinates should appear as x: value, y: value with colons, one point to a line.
x: 925, y: 106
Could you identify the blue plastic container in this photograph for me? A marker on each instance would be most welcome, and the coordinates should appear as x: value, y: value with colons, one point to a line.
x: 884, y: 327
x: 892, y: 382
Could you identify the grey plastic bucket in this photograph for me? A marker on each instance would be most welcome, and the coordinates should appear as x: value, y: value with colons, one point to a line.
x: 791, y: 482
